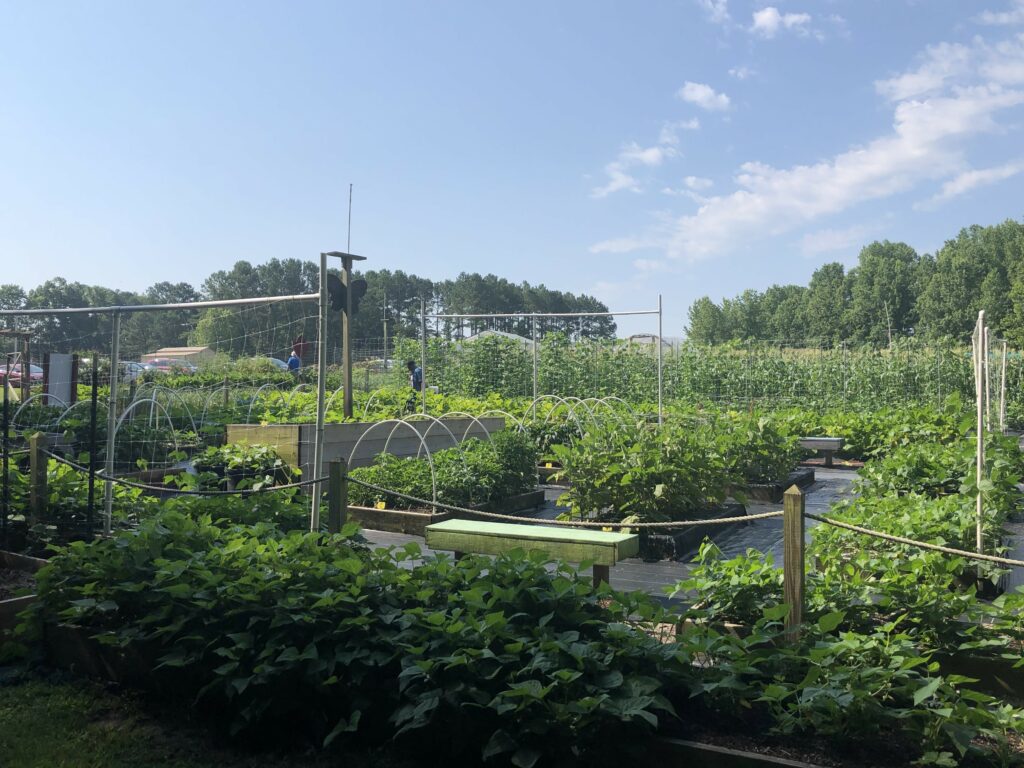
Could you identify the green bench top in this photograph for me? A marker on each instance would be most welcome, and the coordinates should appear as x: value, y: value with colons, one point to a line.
x: 564, y: 543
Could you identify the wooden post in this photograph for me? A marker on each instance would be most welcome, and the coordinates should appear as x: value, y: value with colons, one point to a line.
x: 793, y: 559
x: 227, y: 392
x: 337, y: 495
x: 37, y: 475
x: 601, y: 573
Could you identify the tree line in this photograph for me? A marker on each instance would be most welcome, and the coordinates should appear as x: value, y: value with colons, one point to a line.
x: 892, y: 292
x: 271, y: 329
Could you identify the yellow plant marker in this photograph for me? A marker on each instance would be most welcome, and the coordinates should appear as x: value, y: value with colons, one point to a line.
x: 381, y: 505
x: 547, y: 464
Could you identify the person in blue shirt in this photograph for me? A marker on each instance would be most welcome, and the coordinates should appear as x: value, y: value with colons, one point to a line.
x: 294, y: 363
x: 415, y: 381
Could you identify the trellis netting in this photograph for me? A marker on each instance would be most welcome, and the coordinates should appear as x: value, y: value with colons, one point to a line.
x: 772, y: 374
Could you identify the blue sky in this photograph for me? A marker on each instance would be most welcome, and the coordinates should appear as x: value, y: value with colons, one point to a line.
x: 619, y: 149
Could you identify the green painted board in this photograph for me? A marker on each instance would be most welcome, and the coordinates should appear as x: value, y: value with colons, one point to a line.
x: 571, y: 544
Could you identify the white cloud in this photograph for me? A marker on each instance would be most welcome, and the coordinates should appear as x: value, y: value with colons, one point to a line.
x: 704, y: 96
x: 936, y: 114
x: 769, y: 20
x: 940, y: 63
x: 632, y: 155
x: 692, y: 186
x: 1015, y: 15
x: 1004, y: 61
x: 717, y: 10
x: 969, y: 180
x: 697, y: 183
x: 742, y: 73
x: 829, y: 240
x: 623, y: 245
x: 670, y: 131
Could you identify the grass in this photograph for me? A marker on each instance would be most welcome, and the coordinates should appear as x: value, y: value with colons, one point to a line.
x: 60, y: 722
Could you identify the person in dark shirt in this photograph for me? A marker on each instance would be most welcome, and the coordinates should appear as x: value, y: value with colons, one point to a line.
x: 416, y: 382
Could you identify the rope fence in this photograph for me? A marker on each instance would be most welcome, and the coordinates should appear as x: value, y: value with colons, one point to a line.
x: 1004, y: 561
x: 566, y: 523
x: 920, y: 544
x: 184, y: 491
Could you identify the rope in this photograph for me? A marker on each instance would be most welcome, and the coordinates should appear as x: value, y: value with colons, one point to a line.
x: 923, y: 545
x: 185, y: 492
x: 568, y: 523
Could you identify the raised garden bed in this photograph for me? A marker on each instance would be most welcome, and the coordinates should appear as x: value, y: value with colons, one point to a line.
x: 415, y: 521
x: 802, y: 478
x: 16, y: 574
x: 678, y: 543
x: 294, y: 442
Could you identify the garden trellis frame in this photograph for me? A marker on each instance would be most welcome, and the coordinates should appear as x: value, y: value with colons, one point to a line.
x: 117, y: 311
x: 535, y: 339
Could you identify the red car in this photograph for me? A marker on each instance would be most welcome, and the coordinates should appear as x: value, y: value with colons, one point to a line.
x: 35, y: 373
x: 169, y: 365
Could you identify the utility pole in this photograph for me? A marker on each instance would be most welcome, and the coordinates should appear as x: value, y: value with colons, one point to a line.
x: 347, y: 260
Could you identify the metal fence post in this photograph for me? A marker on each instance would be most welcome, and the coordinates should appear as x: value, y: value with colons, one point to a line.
x: 90, y: 509
x: 423, y: 354
x: 321, y: 384
x: 793, y: 502
x: 661, y: 414
x: 115, y: 366
x: 6, y: 447
x: 337, y: 495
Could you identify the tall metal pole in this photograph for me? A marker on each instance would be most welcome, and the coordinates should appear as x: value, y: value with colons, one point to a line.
x: 385, y: 334
x: 108, y: 469
x: 321, y: 387
x: 1002, y: 393
x: 6, y: 449
x: 988, y: 384
x: 346, y: 329
x: 90, y: 509
x: 979, y: 392
x: 534, y: 334
x: 661, y: 415
x: 423, y: 354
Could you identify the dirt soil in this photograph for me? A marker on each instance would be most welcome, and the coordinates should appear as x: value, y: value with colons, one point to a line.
x: 12, y: 582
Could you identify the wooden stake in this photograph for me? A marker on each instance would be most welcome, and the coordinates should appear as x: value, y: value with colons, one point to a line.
x: 793, y: 559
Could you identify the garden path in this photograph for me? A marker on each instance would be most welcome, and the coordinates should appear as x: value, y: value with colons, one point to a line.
x: 829, y: 487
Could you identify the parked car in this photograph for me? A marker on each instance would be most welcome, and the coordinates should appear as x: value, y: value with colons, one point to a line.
x: 35, y: 373
x: 170, y: 365
x: 278, y: 363
x: 131, y: 370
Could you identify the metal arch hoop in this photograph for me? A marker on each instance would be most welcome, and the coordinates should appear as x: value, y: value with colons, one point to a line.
x: 397, y: 423
x: 134, y: 405
x: 467, y: 415
x: 423, y: 442
x: 75, y: 405
x: 330, y: 400
x: 173, y: 393
x: 252, y: 401
x: 14, y: 418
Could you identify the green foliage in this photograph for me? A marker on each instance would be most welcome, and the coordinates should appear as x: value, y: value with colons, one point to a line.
x: 240, y: 465
x: 284, y: 637
x: 691, y: 463
x: 477, y: 472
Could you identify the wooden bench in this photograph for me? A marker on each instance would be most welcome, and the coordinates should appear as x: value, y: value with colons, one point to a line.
x: 575, y: 545
x: 825, y: 445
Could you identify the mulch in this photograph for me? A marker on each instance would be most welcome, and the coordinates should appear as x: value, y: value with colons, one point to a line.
x: 13, y: 582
